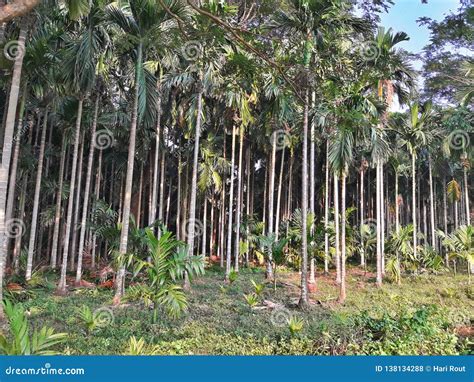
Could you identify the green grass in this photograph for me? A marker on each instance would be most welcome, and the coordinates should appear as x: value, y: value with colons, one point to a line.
x: 220, y: 321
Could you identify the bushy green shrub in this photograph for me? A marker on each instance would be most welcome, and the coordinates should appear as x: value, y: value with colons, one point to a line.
x: 424, y: 331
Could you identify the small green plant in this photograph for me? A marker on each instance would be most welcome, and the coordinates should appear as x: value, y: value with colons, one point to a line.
x: 140, y: 347
x: 251, y: 299
x: 99, y: 318
x: 223, y: 289
x: 233, y: 275
x: 258, y: 288
x: 393, y: 269
x: 140, y: 292
x: 20, y: 343
x: 19, y: 295
x: 295, y: 325
x: 87, y: 317
x: 449, y: 293
x: 168, y: 263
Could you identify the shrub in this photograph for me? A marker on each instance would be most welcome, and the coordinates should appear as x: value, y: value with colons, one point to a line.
x: 423, y: 332
x: 251, y: 299
x: 20, y: 342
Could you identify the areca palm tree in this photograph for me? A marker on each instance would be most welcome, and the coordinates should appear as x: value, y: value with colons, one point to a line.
x: 141, y: 22
x: 7, y: 146
x: 95, y: 41
x: 416, y: 132
x: 392, y: 74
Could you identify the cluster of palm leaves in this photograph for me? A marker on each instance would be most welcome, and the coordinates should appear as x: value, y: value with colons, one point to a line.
x: 168, y: 263
x: 19, y: 342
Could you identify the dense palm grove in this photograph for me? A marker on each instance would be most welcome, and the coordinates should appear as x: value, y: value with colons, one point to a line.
x: 147, y: 140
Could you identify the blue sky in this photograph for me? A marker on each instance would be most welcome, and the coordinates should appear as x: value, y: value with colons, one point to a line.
x: 403, y: 15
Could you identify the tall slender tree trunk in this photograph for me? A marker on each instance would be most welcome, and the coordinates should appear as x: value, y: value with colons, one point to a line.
x: 397, y: 205
x: 14, y: 166
x: 168, y: 202
x: 85, y: 204
x: 96, y: 193
x: 212, y: 228
x: 456, y: 214
x: 247, y: 206
x: 425, y: 223
x: 192, y: 204
x: 239, y: 201
x: 342, y: 286
x: 304, y: 208
x: 466, y: 196
x: 161, y: 207
x: 337, y: 230
x: 290, y: 187
x: 75, y: 218
x: 204, y: 229
x: 432, y: 208
x: 312, y: 163
x: 271, y: 202
x: 154, y: 196
x: 6, y: 152
x: 178, y: 204
x: 231, y: 201
x: 362, y: 216
x: 280, y: 186
x: 382, y: 217
x: 36, y: 200
x: 220, y: 249
x: 120, y: 278
x: 413, y: 200
x: 138, y: 218
x: 57, y: 215
x: 378, y: 207
x: 326, y: 213
x: 21, y: 216
x: 445, y: 219
x: 62, y: 280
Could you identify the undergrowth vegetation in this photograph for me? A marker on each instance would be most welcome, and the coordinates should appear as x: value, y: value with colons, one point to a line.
x: 426, y: 319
